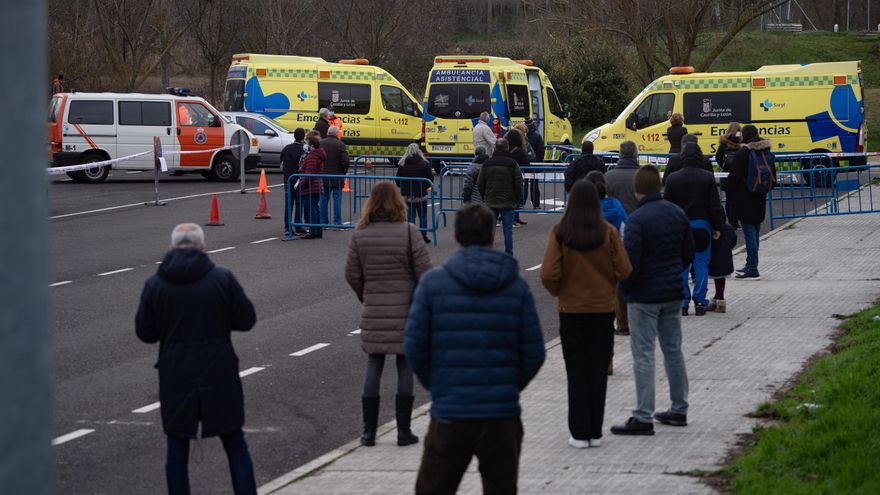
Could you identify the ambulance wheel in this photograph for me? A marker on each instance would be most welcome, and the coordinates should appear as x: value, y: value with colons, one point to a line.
x: 816, y: 173
x: 224, y: 168
x: 93, y: 175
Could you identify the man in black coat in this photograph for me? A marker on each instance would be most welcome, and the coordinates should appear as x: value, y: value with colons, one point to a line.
x: 674, y: 163
x: 584, y: 164
x: 694, y: 190
x: 500, y: 185
x: 190, y: 306
x: 323, y: 123
x: 290, y: 156
x: 659, y: 243
x: 336, y: 163
x: 748, y: 208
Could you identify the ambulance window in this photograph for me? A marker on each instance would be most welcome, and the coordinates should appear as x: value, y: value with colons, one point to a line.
x: 473, y: 99
x: 193, y: 115
x: 392, y: 99
x: 442, y: 100
x: 518, y: 100
x: 553, y: 101
x: 98, y: 112
x: 345, y: 98
x: 655, y: 109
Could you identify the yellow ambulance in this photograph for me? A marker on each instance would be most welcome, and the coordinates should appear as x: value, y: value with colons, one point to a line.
x: 800, y: 108
x: 461, y: 87
x: 379, y: 116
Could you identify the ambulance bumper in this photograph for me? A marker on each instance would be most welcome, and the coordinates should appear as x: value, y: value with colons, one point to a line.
x: 65, y: 158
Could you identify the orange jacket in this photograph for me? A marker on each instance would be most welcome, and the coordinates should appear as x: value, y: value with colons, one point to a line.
x: 335, y: 121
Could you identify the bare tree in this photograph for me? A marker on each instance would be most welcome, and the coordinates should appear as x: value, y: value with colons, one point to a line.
x: 212, y: 24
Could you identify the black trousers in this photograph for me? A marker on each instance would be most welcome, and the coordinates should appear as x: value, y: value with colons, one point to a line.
x: 450, y: 445
x: 587, y: 341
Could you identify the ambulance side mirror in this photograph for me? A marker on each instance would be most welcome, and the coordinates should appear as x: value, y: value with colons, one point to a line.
x: 632, y: 122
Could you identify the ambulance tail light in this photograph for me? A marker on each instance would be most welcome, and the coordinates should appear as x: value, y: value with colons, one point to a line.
x: 860, y: 143
x: 527, y: 63
x: 355, y: 61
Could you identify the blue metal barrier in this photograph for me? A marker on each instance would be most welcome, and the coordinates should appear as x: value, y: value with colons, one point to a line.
x: 351, y: 202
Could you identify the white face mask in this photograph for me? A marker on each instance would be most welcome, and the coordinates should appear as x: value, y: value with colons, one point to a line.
x: 739, y: 134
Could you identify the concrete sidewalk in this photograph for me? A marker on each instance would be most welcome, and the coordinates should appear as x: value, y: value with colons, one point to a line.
x: 813, y: 270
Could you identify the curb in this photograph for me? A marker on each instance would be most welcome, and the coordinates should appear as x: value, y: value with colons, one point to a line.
x: 312, y: 467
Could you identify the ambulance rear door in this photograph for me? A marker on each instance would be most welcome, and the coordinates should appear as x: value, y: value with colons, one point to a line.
x: 139, y: 122
x: 453, y: 110
x: 537, y: 96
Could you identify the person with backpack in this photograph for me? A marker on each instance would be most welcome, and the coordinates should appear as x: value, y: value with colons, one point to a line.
x: 752, y: 177
x: 586, y: 163
x: 728, y: 145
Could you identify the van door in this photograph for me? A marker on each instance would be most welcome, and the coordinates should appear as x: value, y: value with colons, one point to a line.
x: 519, y: 106
x: 647, y: 124
x: 556, y: 123
x: 91, y: 125
x: 353, y: 103
x: 198, y: 129
x: 537, y: 93
x: 139, y: 123
x: 400, y: 119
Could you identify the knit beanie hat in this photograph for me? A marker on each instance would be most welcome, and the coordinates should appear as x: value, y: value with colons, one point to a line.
x: 647, y: 180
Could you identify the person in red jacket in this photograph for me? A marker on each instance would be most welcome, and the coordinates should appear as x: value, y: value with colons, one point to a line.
x: 310, y: 188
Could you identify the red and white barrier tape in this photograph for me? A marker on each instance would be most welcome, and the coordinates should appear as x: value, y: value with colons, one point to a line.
x: 104, y: 163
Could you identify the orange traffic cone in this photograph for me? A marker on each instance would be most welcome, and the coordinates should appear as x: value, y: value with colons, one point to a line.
x: 214, y: 221
x: 345, y: 187
x: 263, y: 188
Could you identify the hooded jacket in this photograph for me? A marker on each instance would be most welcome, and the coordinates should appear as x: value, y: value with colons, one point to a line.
x: 579, y: 169
x: 659, y: 243
x: 725, y: 146
x: 469, y: 191
x: 746, y: 206
x: 619, y: 183
x: 694, y: 190
x: 675, y: 163
x: 473, y: 337
x: 312, y: 163
x: 190, y: 306
x: 500, y: 182
x: 414, y: 167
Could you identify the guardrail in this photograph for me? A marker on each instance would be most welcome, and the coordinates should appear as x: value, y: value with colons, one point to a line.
x: 352, y: 203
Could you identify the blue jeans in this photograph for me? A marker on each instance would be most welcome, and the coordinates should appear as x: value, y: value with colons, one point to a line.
x: 418, y: 209
x: 312, y: 213
x: 647, y: 323
x: 507, y: 227
x: 701, y: 270
x: 337, y: 205
x: 292, y: 201
x: 751, y: 231
x: 240, y: 465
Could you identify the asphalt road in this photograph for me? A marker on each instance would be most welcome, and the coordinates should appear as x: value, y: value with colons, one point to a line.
x: 105, y: 244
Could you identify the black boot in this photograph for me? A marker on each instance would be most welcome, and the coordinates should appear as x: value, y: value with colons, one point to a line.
x: 371, y: 420
x: 404, y: 405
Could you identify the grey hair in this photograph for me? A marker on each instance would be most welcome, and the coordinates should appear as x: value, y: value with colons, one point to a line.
x: 412, y: 150
x: 628, y: 149
x: 485, y: 117
x: 333, y: 131
x: 479, y: 150
x: 187, y: 235
x: 324, y: 112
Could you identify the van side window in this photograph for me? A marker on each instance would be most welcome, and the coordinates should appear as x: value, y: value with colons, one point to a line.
x: 150, y: 113
x: 98, y: 112
x: 395, y: 100
x: 345, y: 98
x: 193, y: 115
x: 553, y: 101
x: 655, y: 109
x: 253, y: 125
x: 518, y: 100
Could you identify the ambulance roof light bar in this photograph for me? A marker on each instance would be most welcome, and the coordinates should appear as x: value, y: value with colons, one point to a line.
x: 527, y: 63
x: 355, y: 61
x: 441, y: 60
x: 682, y: 70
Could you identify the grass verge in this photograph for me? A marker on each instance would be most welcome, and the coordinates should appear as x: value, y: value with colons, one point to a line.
x: 826, y: 439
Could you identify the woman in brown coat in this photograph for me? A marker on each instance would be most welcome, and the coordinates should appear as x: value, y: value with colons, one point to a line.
x: 386, y: 257
x: 583, y: 263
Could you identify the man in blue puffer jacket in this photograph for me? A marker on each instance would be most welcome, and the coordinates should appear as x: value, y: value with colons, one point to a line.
x: 659, y: 243
x: 474, y: 340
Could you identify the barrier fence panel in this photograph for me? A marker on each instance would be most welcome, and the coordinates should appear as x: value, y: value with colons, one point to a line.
x: 307, y: 212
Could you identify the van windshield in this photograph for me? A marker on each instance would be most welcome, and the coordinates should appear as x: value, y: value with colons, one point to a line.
x: 629, y: 108
x: 233, y: 100
x: 458, y: 101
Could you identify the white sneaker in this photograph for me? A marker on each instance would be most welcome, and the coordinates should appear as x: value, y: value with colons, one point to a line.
x: 595, y: 442
x: 578, y: 444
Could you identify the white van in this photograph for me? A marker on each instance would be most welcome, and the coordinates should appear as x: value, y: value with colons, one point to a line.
x: 93, y: 127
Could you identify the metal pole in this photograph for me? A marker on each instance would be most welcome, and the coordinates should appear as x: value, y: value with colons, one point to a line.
x: 241, y: 165
x: 847, y: 15
x: 26, y: 426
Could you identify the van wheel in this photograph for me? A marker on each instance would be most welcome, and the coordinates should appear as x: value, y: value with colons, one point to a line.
x: 224, y: 168
x: 73, y: 175
x: 817, y: 174
x: 93, y: 175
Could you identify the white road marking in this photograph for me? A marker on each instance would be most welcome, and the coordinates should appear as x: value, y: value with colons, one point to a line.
x: 309, y: 349
x: 71, y: 436
x: 250, y: 371
x: 147, y: 408
x: 132, y: 205
x: 533, y: 268
x: 158, y: 262
x: 356, y: 332
x: 56, y: 284
x: 221, y: 249
x: 114, y: 272
x: 554, y: 201
x: 264, y: 240
x: 130, y: 172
